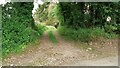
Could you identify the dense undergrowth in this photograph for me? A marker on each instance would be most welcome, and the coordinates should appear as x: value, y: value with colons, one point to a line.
x: 87, y: 21
x: 18, y: 27
x: 84, y: 35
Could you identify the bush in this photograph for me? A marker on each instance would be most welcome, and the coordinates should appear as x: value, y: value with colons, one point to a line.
x: 97, y: 32
x: 80, y: 34
x: 41, y: 28
x: 18, y: 27
x: 12, y: 41
x: 84, y: 34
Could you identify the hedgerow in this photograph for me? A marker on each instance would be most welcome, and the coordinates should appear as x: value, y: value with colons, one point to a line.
x: 18, y: 27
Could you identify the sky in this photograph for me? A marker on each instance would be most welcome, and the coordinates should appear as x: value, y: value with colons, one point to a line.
x: 36, y: 5
x: 2, y: 2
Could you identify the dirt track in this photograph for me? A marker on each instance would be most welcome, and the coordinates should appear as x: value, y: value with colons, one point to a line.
x: 100, y: 53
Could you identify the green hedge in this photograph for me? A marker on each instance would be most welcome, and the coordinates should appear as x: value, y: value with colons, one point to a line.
x: 18, y: 26
x: 84, y: 34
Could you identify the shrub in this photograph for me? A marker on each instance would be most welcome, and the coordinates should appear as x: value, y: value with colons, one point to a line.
x: 84, y: 34
x: 41, y: 28
x: 97, y: 32
x: 80, y: 34
x: 18, y: 27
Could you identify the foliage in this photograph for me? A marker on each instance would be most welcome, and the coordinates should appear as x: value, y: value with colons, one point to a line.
x: 71, y: 17
x: 84, y: 34
x: 41, y: 13
x: 100, y: 15
x: 40, y: 28
x: 46, y: 14
x: 89, y: 15
x: 18, y: 26
x: 52, y: 37
x: 73, y: 34
x: 97, y: 32
x: 85, y: 21
x: 59, y: 14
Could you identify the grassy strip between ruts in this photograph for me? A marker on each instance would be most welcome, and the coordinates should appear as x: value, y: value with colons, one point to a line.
x: 52, y: 37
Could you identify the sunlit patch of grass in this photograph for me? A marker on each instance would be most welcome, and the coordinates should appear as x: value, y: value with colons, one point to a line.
x: 52, y: 37
x: 50, y: 28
